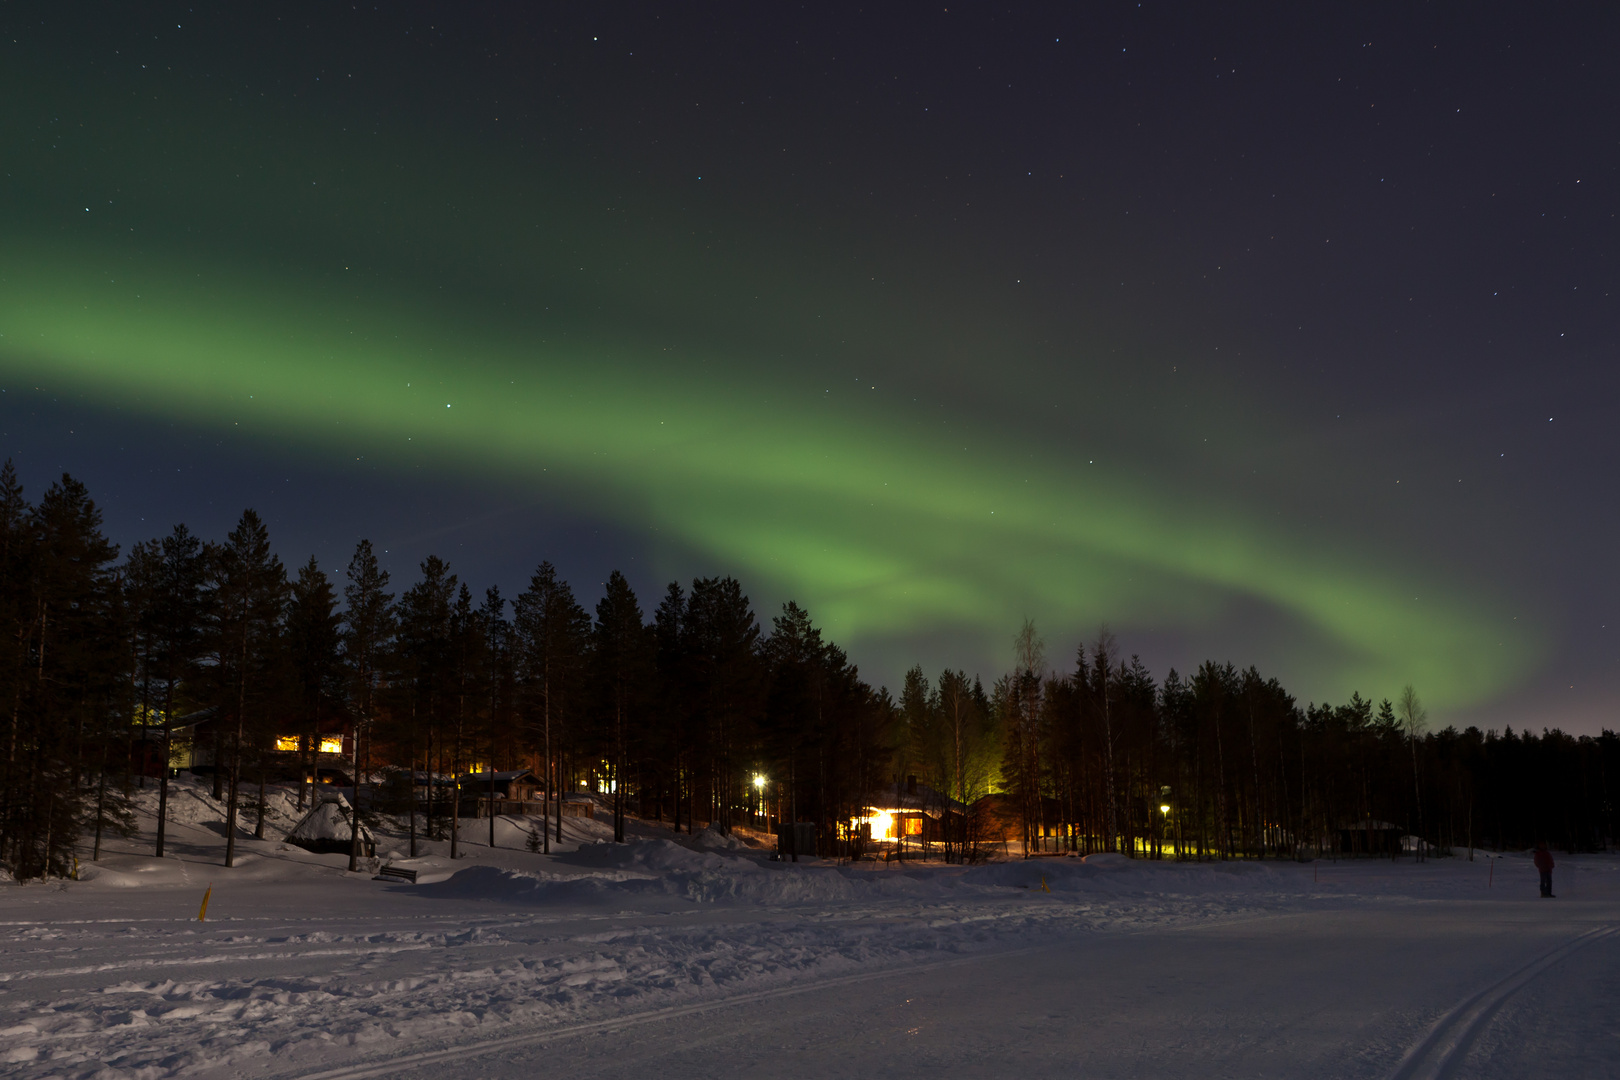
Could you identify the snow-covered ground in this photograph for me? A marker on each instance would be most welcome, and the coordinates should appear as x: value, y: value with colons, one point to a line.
x: 699, y: 957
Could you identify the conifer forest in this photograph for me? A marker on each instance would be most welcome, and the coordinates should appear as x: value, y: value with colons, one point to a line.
x: 688, y: 708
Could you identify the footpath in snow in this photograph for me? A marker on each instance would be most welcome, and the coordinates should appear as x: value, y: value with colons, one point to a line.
x: 304, y: 969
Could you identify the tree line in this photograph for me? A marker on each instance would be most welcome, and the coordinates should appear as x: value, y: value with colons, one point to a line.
x: 693, y: 713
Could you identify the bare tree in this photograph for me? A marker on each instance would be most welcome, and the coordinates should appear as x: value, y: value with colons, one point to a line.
x: 1104, y: 652
x: 1414, y: 718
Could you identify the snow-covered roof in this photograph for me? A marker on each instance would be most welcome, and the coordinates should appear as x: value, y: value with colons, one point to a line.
x: 501, y: 776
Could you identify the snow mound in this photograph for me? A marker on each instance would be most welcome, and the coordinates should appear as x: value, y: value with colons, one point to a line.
x: 715, y: 840
x: 604, y: 873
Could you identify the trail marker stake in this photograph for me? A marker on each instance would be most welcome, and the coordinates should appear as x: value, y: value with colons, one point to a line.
x: 1043, y: 884
x: 202, y: 912
x: 1491, y: 877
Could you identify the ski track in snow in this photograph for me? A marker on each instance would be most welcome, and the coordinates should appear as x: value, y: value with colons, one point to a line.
x: 489, y: 978
x: 303, y: 969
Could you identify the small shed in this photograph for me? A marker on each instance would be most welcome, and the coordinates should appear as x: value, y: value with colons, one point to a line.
x: 326, y: 830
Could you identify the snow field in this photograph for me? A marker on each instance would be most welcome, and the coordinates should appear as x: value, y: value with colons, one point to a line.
x: 303, y: 967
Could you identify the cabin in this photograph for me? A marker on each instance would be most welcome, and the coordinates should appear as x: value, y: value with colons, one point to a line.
x: 909, y: 813
x: 520, y: 784
x: 1370, y: 837
x: 201, y: 743
x: 512, y: 791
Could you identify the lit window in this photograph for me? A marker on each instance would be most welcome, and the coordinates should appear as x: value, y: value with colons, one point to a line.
x: 287, y: 742
x: 331, y: 744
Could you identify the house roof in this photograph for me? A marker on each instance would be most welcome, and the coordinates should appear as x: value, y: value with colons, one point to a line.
x: 923, y: 800
x: 503, y: 776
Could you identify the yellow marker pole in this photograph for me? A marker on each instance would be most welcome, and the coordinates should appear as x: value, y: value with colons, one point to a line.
x: 1044, y: 889
x: 202, y: 913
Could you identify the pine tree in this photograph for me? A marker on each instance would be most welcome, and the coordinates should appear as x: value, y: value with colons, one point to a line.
x: 175, y: 624
x: 73, y: 678
x: 673, y: 695
x: 500, y: 682
x: 16, y: 626
x: 550, y: 634
x: 248, y: 599
x: 368, y: 632
x: 621, y: 655
x: 794, y: 716
x: 726, y: 679
x: 466, y: 676
x: 314, y: 646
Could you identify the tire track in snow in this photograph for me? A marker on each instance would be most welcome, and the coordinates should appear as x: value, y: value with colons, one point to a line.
x: 1440, y: 1053
x: 392, y: 1065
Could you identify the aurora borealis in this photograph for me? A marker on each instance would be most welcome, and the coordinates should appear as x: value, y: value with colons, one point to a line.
x: 846, y: 324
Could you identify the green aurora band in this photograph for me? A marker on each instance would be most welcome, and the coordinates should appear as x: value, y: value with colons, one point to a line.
x: 881, y: 524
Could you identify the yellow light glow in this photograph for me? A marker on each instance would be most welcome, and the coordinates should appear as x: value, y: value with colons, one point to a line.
x: 287, y: 742
x: 882, y: 825
x: 331, y: 744
x: 1164, y: 808
x: 759, y: 781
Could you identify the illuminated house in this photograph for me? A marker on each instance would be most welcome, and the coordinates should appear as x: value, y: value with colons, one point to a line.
x: 201, y: 740
x: 912, y: 813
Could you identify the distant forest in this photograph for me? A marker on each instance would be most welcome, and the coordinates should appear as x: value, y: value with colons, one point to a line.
x: 692, y: 712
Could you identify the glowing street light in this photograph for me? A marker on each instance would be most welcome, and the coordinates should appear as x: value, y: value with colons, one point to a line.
x: 759, y: 793
x: 1164, y: 808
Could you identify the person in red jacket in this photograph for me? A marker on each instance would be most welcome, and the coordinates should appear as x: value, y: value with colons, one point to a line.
x: 1544, y: 863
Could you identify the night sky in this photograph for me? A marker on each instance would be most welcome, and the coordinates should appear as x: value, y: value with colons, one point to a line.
x: 1282, y: 337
